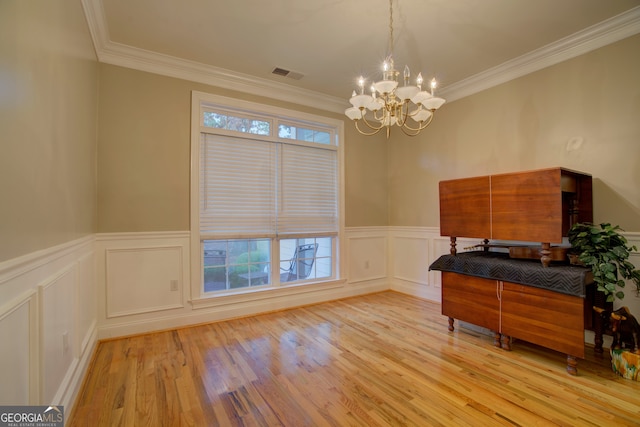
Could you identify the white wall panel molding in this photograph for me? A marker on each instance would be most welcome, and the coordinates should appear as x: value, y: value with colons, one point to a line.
x: 258, y: 305
x: 411, y: 250
x: 144, y: 279
x: 19, y: 337
x: 57, y: 326
x: 367, y: 254
x: 410, y: 255
x: 86, y: 303
x: 49, y: 323
x: 137, y: 318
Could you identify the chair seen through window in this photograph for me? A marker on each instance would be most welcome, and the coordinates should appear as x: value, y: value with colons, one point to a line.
x: 301, y: 264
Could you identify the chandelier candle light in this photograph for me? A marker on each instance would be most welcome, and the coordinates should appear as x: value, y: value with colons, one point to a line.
x: 390, y: 105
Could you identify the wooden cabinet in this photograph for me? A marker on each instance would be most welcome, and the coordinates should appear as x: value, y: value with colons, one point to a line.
x: 535, y: 315
x: 534, y: 206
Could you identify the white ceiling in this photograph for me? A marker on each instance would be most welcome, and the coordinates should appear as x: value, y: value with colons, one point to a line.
x: 468, y: 45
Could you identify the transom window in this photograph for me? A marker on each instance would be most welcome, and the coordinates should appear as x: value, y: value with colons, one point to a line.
x: 268, y: 197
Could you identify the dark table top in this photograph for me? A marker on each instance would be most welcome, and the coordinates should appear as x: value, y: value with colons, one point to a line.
x: 564, y: 278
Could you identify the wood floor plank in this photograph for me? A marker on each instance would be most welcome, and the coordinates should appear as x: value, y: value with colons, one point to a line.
x: 385, y: 359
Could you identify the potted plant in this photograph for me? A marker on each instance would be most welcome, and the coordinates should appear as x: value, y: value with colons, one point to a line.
x: 606, y: 252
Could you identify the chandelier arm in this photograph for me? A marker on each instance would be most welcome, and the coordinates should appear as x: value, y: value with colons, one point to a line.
x: 403, y: 112
x: 381, y: 118
x: 428, y: 122
x: 370, y: 126
x: 421, y: 126
x: 367, y: 133
x: 416, y: 129
x: 404, y: 130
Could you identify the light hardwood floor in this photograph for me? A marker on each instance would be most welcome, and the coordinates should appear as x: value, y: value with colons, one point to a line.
x: 385, y: 359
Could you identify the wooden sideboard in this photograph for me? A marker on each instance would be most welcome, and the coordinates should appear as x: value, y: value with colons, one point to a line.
x: 532, y: 206
x: 512, y: 310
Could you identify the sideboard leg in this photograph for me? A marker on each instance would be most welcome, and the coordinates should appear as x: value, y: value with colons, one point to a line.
x: 506, y: 342
x: 572, y: 365
x: 496, y: 339
x: 451, y: 328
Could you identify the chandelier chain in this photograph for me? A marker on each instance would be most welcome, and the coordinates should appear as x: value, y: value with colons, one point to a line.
x: 391, y: 28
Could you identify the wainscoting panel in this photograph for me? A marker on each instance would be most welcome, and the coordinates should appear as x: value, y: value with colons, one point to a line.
x: 135, y: 272
x: 18, y: 328
x: 58, y: 330
x: 144, y: 279
x: 48, y: 324
x: 372, y: 259
x: 87, y: 303
x: 412, y: 250
x: 367, y: 255
x: 409, y: 259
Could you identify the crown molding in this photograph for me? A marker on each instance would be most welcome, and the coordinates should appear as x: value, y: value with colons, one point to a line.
x: 606, y: 32
x: 143, y: 60
x: 594, y: 37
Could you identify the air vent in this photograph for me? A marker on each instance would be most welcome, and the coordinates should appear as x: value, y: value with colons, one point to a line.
x: 287, y: 73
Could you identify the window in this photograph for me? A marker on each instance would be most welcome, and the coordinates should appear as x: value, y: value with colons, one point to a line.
x: 307, y: 258
x: 234, y: 264
x: 267, y: 187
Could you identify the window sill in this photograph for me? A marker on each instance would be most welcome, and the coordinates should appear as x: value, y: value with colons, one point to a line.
x: 253, y: 295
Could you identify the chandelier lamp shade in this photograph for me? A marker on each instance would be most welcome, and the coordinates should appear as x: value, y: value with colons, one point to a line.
x: 408, y: 106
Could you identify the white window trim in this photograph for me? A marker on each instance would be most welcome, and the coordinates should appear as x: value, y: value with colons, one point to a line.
x: 199, y: 103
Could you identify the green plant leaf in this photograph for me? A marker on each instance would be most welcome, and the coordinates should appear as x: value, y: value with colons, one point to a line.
x: 603, y: 249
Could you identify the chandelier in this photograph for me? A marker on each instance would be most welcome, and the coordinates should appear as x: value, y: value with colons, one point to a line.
x: 389, y: 105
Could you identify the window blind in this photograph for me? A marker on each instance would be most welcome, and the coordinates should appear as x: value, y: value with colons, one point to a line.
x: 308, y: 202
x: 252, y: 188
x: 237, y: 187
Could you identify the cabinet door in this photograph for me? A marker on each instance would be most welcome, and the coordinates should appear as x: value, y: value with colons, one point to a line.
x: 527, y: 206
x: 543, y: 317
x: 465, y: 209
x: 471, y: 299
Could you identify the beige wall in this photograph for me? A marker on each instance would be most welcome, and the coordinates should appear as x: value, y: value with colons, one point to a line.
x: 144, y: 155
x: 48, y: 100
x: 367, y: 185
x: 582, y: 114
